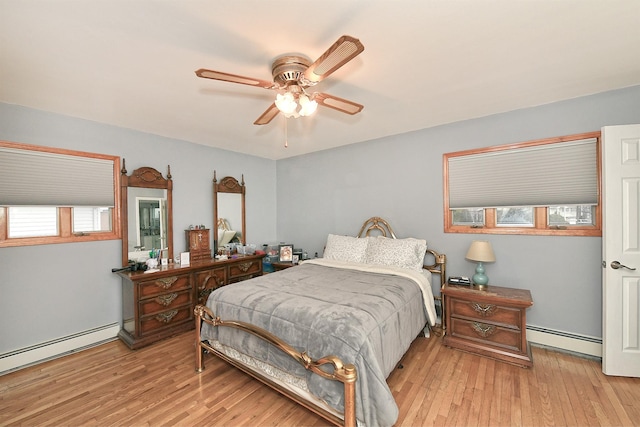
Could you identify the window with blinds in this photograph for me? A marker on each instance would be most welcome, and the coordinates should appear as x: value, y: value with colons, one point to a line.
x: 549, y: 186
x: 51, y: 195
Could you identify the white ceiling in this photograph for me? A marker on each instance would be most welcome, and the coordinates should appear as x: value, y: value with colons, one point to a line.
x: 131, y: 63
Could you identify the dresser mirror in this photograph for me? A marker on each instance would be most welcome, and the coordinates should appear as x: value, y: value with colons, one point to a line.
x: 229, y: 211
x: 147, y: 213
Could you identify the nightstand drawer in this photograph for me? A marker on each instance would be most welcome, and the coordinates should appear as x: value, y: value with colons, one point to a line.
x: 486, y: 333
x: 483, y: 311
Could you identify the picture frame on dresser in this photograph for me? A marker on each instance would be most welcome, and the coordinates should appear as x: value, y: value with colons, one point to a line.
x: 286, y: 253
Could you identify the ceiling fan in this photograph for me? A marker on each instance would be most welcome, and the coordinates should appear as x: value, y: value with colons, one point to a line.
x: 293, y: 74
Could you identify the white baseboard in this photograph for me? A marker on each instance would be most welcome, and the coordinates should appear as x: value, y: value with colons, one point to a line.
x: 565, y: 341
x: 24, y: 357
x: 56, y: 348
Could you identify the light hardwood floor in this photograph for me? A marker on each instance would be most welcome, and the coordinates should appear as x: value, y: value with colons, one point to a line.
x: 157, y: 385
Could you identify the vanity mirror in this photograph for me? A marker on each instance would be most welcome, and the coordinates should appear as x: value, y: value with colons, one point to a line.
x: 147, y: 215
x: 229, y: 211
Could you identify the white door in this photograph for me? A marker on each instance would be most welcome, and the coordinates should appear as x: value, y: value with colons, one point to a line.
x: 621, y: 250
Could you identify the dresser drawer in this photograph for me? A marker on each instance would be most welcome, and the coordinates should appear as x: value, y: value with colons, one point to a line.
x: 165, y: 319
x: 483, y: 311
x: 206, y: 281
x: 163, y: 285
x: 242, y: 269
x: 164, y: 301
x: 213, y: 278
x: 486, y: 333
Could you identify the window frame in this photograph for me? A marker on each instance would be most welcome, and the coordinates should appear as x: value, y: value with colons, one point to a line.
x: 540, y: 214
x: 65, y: 213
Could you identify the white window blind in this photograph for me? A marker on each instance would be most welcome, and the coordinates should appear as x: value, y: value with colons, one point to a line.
x: 30, y: 177
x: 563, y: 173
x: 35, y: 221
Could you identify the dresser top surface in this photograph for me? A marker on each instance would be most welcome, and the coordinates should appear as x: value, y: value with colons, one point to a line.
x: 194, y: 265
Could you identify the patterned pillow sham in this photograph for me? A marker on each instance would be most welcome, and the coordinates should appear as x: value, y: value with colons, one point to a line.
x: 406, y: 253
x: 345, y: 248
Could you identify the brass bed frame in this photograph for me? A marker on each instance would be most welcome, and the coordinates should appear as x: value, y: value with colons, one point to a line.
x: 342, y: 372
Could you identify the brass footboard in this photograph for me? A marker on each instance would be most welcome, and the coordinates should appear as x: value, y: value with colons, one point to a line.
x: 345, y: 373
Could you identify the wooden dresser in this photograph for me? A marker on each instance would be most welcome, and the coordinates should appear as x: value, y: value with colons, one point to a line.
x: 490, y: 322
x: 160, y: 304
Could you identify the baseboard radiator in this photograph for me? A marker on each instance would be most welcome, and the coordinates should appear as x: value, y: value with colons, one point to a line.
x: 574, y: 343
x: 38, y: 353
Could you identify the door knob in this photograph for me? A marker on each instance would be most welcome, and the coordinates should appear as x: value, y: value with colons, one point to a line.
x: 616, y: 265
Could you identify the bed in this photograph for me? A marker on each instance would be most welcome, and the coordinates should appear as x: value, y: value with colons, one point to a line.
x: 328, y: 332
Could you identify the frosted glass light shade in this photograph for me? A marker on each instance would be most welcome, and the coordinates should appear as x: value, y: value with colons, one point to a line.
x: 307, y: 107
x: 286, y: 103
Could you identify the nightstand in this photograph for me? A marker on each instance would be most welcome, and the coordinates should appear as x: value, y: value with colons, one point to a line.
x: 490, y: 322
x: 277, y: 266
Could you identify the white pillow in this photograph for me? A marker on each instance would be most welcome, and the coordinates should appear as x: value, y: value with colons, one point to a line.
x: 406, y: 253
x: 345, y: 248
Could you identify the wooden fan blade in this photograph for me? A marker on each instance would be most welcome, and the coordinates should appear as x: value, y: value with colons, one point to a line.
x: 339, y: 104
x: 268, y: 115
x: 341, y: 52
x: 233, y: 78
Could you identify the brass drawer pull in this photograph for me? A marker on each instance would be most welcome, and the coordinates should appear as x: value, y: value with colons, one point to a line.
x: 166, y: 282
x: 483, y: 330
x: 166, y: 316
x: 245, y: 266
x: 166, y: 299
x: 483, y: 310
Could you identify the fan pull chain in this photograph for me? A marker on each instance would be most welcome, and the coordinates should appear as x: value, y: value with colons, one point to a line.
x: 286, y: 133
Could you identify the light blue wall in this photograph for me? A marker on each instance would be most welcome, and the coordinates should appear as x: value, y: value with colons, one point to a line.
x: 400, y: 178
x: 52, y: 291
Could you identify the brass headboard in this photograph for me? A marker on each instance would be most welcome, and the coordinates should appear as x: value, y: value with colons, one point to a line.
x: 223, y: 224
x: 375, y: 223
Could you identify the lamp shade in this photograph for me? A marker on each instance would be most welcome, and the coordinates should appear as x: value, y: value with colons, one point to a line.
x: 481, y: 251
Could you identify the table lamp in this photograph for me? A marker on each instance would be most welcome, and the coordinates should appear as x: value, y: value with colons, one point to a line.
x: 480, y: 251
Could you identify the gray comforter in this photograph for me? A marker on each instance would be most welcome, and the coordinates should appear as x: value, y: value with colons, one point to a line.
x: 364, y: 317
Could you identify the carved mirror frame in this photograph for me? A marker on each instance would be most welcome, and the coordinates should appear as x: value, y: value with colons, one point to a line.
x: 231, y: 185
x: 144, y: 177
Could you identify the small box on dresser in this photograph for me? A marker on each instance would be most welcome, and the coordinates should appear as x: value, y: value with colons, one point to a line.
x: 490, y: 322
x: 198, y: 244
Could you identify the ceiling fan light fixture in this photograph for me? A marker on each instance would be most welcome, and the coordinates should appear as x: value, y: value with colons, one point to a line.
x: 307, y: 106
x: 286, y: 103
x: 295, y: 104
